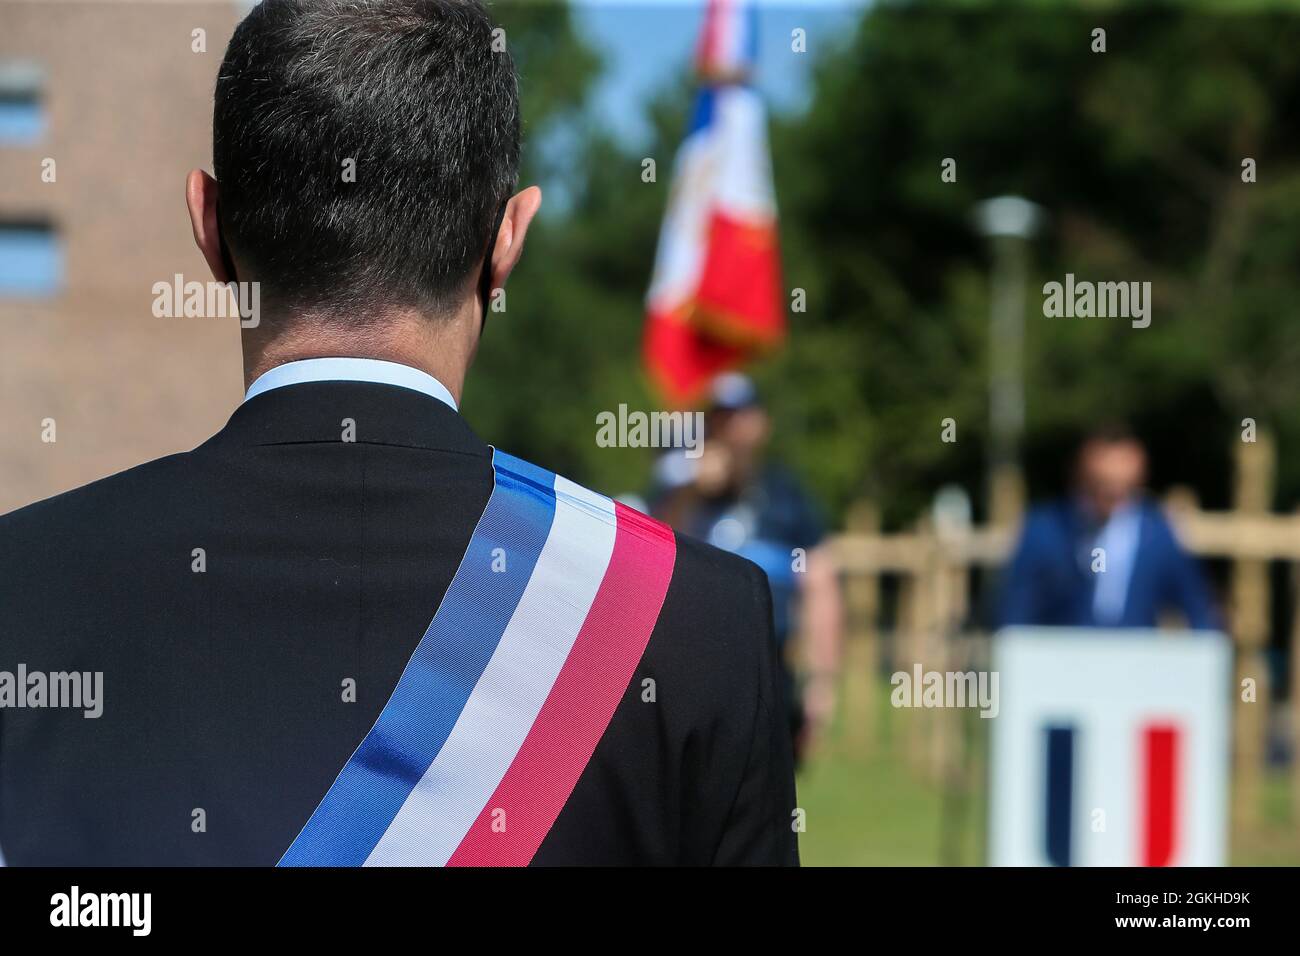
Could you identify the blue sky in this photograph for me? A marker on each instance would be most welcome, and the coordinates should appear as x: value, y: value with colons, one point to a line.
x: 647, y: 43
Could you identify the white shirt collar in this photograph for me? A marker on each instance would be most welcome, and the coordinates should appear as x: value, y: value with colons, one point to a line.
x: 351, y: 370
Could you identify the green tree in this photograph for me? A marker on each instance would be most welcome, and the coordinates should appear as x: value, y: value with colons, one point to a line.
x: 1136, y: 155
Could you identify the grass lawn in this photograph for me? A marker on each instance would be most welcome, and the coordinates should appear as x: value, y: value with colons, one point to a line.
x: 867, y: 807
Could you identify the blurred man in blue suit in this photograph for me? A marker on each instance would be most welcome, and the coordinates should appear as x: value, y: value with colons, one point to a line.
x: 1105, y: 556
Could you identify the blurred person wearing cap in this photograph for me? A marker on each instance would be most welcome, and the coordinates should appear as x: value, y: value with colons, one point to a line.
x: 733, y: 497
x: 1056, y: 576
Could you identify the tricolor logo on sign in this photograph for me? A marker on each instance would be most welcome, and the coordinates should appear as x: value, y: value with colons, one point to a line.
x: 1111, y: 748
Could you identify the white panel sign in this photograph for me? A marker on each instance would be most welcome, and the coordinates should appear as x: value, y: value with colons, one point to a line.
x: 1111, y: 748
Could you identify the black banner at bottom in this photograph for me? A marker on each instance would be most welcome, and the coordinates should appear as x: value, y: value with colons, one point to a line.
x: 909, y: 905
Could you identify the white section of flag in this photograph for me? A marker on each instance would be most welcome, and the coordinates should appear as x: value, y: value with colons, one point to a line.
x: 679, y: 258
x: 744, y: 166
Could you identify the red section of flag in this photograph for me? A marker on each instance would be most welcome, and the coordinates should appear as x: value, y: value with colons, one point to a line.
x: 708, y: 50
x: 739, y: 299
x: 715, y: 299
x: 682, y: 362
x: 1160, y: 793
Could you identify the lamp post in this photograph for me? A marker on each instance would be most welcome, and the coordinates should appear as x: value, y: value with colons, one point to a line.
x: 1009, y: 222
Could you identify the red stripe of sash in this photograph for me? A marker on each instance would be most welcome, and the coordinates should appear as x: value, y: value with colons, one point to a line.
x: 582, y: 701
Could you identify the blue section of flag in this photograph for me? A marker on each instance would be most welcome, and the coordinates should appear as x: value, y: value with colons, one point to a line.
x: 1059, y: 810
x: 440, y: 676
x: 702, y: 115
x: 750, y: 56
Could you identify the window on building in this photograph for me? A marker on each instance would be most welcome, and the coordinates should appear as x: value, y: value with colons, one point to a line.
x: 31, y: 260
x: 22, y: 110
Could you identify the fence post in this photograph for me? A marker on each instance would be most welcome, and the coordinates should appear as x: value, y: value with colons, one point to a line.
x: 1295, y: 690
x: 861, y: 706
x: 911, y: 642
x: 1252, y: 495
x: 939, y: 651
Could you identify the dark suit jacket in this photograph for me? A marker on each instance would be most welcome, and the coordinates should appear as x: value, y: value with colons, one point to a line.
x: 1050, y: 582
x: 325, y: 561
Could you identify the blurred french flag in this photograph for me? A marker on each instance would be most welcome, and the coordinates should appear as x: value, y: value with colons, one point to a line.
x: 715, y: 298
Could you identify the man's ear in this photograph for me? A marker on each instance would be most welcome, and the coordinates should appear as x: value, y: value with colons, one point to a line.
x: 201, y: 198
x: 520, y: 211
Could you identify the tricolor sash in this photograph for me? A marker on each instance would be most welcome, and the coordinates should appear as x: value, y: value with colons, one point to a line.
x: 512, y: 686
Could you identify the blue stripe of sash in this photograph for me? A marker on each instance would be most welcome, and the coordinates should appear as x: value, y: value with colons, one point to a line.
x: 440, y: 676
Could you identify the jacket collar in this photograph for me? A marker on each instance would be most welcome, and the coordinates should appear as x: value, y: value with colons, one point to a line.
x: 366, y: 412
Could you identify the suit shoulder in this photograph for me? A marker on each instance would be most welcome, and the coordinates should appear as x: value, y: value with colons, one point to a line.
x: 104, y: 499
x: 1159, y: 525
x: 1047, y: 521
x: 714, y: 568
x: 719, y: 605
x: 1045, y: 513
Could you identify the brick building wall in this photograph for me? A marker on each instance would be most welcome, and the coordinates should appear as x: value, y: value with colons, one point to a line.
x: 127, y: 108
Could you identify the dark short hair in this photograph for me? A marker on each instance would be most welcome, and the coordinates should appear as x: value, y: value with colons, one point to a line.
x: 412, y: 91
